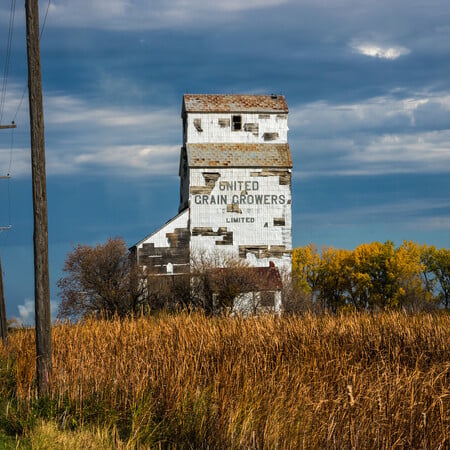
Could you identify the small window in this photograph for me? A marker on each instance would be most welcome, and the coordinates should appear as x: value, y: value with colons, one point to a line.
x: 267, y: 299
x: 236, y: 123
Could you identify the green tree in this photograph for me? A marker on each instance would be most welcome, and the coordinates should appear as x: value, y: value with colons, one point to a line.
x: 436, y: 272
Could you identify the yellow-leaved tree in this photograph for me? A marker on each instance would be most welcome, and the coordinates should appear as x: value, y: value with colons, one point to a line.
x: 333, y: 277
x: 305, y: 269
x: 373, y: 275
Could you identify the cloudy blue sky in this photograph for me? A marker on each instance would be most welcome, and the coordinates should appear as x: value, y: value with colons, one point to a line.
x: 367, y: 84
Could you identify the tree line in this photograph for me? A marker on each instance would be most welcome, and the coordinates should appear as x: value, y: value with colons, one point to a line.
x: 373, y: 275
x: 104, y: 280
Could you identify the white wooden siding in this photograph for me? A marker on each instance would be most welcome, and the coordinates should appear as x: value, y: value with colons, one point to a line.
x: 213, y: 132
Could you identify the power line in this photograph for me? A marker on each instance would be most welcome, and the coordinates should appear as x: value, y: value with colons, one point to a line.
x: 11, y: 27
x: 11, y: 152
x: 8, y: 56
x: 20, y: 102
x: 45, y: 20
x: 9, y: 171
x: 40, y: 36
x: 4, y: 237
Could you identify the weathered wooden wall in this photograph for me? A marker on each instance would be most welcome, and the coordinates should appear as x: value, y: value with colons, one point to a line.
x: 170, y: 244
x: 256, y: 128
x: 243, y: 212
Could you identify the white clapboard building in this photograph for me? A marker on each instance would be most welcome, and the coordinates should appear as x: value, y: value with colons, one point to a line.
x: 235, y: 186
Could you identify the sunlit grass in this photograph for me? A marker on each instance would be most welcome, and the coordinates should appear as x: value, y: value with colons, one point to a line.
x: 358, y: 381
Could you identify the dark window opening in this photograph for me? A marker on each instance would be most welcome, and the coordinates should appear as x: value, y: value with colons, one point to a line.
x: 236, y: 123
x: 267, y: 299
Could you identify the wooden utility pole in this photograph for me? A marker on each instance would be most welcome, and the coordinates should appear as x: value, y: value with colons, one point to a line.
x: 40, y: 235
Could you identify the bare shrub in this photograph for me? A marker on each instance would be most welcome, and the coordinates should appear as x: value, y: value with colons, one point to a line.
x: 101, y: 280
x: 168, y: 292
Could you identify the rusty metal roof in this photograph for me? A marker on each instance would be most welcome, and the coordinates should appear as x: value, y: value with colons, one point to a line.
x: 214, y: 103
x: 239, y: 155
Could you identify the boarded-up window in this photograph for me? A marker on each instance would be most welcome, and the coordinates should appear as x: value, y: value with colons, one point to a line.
x: 198, y: 124
x: 270, y: 136
x: 236, y: 123
x: 224, y: 123
x: 252, y: 127
x: 267, y: 299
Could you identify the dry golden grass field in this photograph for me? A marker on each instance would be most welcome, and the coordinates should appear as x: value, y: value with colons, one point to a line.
x: 362, y: 381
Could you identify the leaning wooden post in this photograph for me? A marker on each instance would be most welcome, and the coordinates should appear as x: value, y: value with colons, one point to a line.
x: 40, y: 235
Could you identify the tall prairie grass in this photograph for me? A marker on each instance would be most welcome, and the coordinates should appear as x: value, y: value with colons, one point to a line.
x: 189, y: 381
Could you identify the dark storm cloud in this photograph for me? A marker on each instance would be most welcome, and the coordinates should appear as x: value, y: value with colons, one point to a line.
x: 362, y: 78
x: 366, y: 82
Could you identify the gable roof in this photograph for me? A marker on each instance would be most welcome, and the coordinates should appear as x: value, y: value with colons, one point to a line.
x: 233, y: 103
x: 238, y: 155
